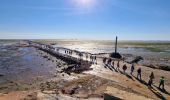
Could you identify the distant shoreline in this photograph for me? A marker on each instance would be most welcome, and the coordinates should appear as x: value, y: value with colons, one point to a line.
x: 93, y: 40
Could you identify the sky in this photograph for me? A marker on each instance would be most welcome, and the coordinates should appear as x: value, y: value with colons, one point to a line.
x: 85, y: 19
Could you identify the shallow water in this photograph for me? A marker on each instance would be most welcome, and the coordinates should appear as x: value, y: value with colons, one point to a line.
x: 23, y: 65
x: 142, y: 48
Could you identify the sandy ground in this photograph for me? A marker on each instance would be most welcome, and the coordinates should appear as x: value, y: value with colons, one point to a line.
x: 146, y: 71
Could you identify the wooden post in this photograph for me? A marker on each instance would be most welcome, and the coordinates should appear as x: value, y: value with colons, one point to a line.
x: 116, y: 45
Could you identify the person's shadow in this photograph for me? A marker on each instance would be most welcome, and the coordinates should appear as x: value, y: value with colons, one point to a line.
x: 157, y: 93
x: 162, y: 90
x: 141, y: 81
x: 110, y: 67
x: 127, y: 75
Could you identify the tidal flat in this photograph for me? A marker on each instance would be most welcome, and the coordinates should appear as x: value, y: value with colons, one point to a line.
x: 32, y: 70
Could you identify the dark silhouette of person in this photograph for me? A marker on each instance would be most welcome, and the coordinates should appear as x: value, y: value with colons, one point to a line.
x: 124, y: 68
x: 91, y: 58
x: 86, y: 56
x: 118, y: 65
x: 95, y: 59
x: 132, y: 69
x: 80, y: 55
x: 104, y: 60
x: 109, y: 62
x: 151, y: 77
x: 139, y: 71
x: 162, y: 82
x: 113, y: 63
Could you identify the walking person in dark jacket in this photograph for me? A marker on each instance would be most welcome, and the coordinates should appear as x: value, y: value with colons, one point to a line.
x: 151, y: 77
x: 86, y: 57
x: 104, y: 60
x: 109, y: 61
x: 132, y: 69
x: 95, y: 60
x: 124, y: 68
x: 91, y: 58
x: 113, y: 63
x: 139, y: 71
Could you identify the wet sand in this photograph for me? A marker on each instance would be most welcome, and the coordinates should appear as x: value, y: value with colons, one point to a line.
x: 27, y: 69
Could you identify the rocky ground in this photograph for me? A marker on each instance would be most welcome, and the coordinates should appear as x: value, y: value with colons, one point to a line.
x: 153, y: 62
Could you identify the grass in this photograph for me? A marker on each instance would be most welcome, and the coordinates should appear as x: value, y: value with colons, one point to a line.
x: 99, y: 42
x: 152, y: 49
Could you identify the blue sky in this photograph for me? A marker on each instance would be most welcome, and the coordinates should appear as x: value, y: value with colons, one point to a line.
x: 85, y: 19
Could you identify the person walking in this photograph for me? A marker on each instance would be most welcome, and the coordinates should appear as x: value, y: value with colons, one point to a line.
x: 151, y: 77
x: 91, y: 58
x: 139, y: 71
x: 104, y: 60
x: 124, y: 68
x: 132, y: 69
x: 118, y: 65
x: 95, y: 60
x: 80, y: 56
x: 113, y: 63
x: 162, y: 82
x: 86, y: 57
x: 109, y: 61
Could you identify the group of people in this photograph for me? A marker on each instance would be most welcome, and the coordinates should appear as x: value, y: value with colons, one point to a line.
x: 110, y: 62
x: 93, y: 59
x: 89, y: 57
x: 69, y: 52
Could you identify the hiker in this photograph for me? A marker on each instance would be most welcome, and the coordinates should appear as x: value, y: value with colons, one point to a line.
x: 104, y: 60
x: 139, y: 73
x: 91, y: 58
x: 95, y: 59
x: 124, y: 68
x: 71, y: 52
x: 113, y: 63
x: 118, y: 65
x: 66, y: 51
x: 87, y: 57
x: 109, y: 62
x: 132, y: 69
x: 162, y: 81
x: 151, y: 77
x: 80, y: 56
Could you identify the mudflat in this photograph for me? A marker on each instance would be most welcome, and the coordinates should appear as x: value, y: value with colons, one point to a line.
x: 39, y: 75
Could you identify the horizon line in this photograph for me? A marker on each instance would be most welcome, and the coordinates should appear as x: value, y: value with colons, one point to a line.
x: 80, y: 39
